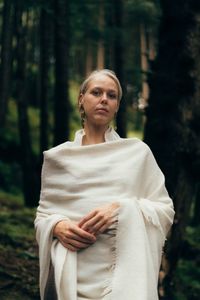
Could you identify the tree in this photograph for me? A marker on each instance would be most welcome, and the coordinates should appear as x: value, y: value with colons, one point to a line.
x: 143, y: 17
x: 6, y: 58
x: 46, y: 17
x: 30, y: 184
x: 100, y: 48
x: 118, y: 54
x: 172, y: 128
x: 62, y: 104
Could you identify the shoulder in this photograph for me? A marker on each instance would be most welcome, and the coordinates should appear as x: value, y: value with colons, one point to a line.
x: 140, y: 149
x: 145, y: 152
x: 135, y: 142
x: 55, y: 150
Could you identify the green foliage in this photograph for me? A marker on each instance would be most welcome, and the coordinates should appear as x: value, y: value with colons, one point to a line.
x: 10, y: 175
x: 147, y: 11
x: 18, y: 251
x: 34, y: 119
x: 187, y: 284
x: 75, y: 121
x: 10, y: 172
x: 10, y: 169
x: 193, y: 237
x: 11, y: 132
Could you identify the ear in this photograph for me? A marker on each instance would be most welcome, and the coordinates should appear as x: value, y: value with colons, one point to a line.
x: 80, y: 99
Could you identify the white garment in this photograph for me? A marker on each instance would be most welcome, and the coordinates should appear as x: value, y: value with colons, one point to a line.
x: 75, y: 180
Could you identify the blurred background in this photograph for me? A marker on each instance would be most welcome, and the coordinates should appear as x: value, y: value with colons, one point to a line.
x: 47, y: 48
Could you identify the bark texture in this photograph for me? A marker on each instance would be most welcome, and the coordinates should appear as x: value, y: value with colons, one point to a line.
x: 172, y: 128
x: 62, y: 104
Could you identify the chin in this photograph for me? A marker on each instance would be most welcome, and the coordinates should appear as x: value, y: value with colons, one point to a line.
x: 102, y: 122
x: 99, y: 121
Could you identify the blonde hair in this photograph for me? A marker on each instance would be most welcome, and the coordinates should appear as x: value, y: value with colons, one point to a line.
x: 105, y: 72
x: 84, y: 87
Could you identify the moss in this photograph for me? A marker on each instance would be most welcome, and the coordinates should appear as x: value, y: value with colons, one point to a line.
x: 19, y: 270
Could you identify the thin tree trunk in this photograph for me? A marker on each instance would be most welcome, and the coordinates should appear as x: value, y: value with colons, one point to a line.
x: 6, y: 53
x: 30, y: 186
x: 151, y: 46
x: 62, y: 104
x: 143, y: 48
x: 45, y: 46
x: 100, y: 49
x: 196, y: 217
x: 144, y: 63
x: 89, y: 59
x: 119, y: 64
x: 109, y: 36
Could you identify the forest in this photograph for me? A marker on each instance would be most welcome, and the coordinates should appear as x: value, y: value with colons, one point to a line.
x: 47, y: 48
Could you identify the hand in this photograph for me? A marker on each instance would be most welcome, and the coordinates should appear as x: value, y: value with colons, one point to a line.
x: 72, y: 236
x: 98, y: 220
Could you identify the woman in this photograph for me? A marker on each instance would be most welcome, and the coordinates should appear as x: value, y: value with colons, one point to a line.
x: 104, y: 212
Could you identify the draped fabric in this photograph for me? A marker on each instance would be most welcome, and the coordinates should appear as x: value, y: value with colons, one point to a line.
x: 124, y: 261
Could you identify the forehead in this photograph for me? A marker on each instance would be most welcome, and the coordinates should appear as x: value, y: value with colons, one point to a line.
x: 103, y: 81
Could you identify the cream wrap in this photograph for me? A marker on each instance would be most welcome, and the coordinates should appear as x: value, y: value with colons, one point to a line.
x: 75, y: 180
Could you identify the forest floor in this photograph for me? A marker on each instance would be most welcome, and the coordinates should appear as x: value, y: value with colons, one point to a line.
x: 19, y: 270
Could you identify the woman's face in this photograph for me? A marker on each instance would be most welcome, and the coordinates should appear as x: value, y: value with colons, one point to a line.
x: 100, y: 101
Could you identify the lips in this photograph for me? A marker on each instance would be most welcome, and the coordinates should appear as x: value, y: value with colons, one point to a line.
x: 102, y: 109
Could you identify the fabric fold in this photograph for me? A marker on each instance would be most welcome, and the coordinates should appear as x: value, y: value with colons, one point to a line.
x: 156, y: 215
x: 44, y: 225
x: 77, y: 179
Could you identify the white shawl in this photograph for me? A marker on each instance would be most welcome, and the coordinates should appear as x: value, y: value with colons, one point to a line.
x: 75, y: 180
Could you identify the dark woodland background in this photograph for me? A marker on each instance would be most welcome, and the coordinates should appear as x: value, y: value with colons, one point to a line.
x: 46, y: 50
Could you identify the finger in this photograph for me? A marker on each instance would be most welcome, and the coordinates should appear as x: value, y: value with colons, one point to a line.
x: 115, y: 212
x: 83, y: 234
x: 77, y: 244
x: 87, y: 217
x: 95, y: 228
x: 89, y: 224
x: 73, y: 245
x: 102, y: 229
x: 73, y: 236
x: 70, y: 247
x: 67, y: 245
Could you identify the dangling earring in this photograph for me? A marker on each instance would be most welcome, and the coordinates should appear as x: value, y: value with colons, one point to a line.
x: 82, y: 114
x: 115, y: 121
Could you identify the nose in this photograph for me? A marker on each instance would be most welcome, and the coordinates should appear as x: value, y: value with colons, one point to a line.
x: 104, y: 97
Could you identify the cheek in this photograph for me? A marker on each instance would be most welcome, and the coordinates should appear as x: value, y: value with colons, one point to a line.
x: 115, y: 107
x: 89, y: 105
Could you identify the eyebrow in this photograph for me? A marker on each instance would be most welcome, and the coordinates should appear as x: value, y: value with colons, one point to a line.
x: 99, y: 87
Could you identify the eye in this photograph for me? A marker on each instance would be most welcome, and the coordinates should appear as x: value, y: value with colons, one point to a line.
x: 112, y: 96
x: 96, y: 92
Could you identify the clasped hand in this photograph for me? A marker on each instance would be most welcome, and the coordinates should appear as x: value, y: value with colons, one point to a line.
x: 76, y: 236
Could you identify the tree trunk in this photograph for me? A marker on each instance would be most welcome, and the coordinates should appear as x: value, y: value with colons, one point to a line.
x: 151, y: 45
x: 172, y: 116
x: 45, y: 46
x: 196, y: 216
x: 195, y: 124
x: 62, y: 104
x: 100, y: 46
x: 89, y: 59
x: 30, y: 186
x: 119, y: 64
x: 144, y: 64
x: 6, y: 53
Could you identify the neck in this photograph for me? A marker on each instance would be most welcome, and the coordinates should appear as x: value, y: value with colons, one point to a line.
x: 94, y: 135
